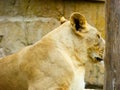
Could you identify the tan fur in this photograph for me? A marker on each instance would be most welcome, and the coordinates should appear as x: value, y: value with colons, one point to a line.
x: 56, y: 62
x: 62, y: 20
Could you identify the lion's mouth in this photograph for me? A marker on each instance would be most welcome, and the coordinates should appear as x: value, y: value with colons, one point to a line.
x: 99, y: 59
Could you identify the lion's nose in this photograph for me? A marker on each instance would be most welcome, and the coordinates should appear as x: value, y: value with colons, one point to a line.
x: 98, y: 59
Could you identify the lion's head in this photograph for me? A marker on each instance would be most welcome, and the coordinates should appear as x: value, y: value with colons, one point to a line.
x: 95, y: 44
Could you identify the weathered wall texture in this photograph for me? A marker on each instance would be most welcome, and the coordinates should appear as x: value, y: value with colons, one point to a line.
x: 23, y: 22
x: 18, y: 32
x: 94, y: 11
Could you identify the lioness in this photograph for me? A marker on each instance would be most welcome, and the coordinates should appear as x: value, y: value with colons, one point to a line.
x: 57, y: 61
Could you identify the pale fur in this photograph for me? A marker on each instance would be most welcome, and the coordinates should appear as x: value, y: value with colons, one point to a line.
x: 56, y: 62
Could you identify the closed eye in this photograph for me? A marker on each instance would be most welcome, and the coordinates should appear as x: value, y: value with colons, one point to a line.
x: 98, y: 35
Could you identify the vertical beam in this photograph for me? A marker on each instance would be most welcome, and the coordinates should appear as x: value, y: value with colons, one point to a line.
x: 112, y: 58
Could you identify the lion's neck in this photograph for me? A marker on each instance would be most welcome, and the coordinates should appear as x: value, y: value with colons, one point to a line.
x: 66, y: 40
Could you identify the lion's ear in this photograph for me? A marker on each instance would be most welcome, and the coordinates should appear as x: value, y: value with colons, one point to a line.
x: 62, y: 20
x: 78, y: 21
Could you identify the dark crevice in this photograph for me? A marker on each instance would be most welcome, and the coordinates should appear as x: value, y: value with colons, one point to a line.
x: 90, y: 86
x: 77, y: 24
x: 1, y: 37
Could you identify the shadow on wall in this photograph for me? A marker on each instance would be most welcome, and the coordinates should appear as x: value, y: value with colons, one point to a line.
x: 1, y: 37
x: 2, y: 53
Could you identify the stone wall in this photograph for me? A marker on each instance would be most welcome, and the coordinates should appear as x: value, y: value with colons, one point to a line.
x: 18, y: 32
x: 94, y: 11
x: 23, y: 22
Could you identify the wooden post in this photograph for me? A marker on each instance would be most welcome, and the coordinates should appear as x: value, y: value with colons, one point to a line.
x: 112, y: 57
